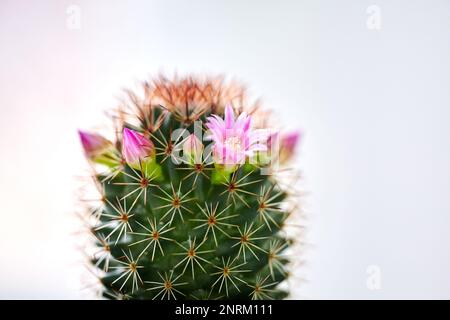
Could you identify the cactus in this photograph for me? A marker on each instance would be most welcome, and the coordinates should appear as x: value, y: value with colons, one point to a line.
x: 190, y: 207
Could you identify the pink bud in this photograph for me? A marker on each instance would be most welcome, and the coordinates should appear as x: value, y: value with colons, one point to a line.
x: 93, y: 144
x: 136, y: 147
x: 290, y: 140
x: 288, y: 144
x: 193, y: 149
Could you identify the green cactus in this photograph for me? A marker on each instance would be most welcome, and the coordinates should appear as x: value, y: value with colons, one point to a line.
x: 179, y: 220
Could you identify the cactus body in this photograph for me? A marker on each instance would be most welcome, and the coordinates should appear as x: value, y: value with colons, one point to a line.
x: 175, y: 223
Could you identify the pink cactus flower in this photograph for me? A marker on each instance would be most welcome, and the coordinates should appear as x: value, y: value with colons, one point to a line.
x: 93, y: 144
x: 234, y: 140
x: 136, y: 147
x: 193, y: 150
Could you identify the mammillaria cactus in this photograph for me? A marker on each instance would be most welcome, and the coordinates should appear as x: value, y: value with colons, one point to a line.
x: 191, y: 207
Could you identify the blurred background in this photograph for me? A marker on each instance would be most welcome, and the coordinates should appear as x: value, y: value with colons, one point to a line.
x: 366, y: 81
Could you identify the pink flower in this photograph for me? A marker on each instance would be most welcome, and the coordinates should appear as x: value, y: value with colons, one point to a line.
x: 93, y: 144
x: 234, y: 140
x: 136, y: 147
x: 193, y: 150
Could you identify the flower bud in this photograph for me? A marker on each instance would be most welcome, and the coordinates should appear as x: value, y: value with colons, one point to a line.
x: 97, y: 148
x: 193, y: 150
x: 136, y: 148
x: 288, y: 145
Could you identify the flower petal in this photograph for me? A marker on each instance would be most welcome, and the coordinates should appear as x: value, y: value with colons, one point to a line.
x: 229, y: 117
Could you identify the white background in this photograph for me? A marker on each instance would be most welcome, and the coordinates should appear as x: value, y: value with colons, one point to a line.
x: 373, y: 104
